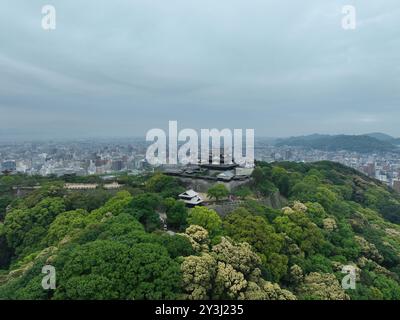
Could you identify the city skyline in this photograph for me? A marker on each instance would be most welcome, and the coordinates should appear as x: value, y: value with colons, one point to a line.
x: 107, y: 157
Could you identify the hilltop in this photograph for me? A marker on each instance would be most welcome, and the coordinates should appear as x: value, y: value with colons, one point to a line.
x: 356, y: 143
x: 102, y: 241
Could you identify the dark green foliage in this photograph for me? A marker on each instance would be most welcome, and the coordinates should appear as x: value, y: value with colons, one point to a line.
x: 280, y: 178
x: 28, y: 286
x: 177, y: 214
x: 302, y: 230
x: 87, y: 199
x: 176, y: 245
x: 112, y: 245
x: 164, y: 185
x: 206, y: 218
x: 5, y: 201
x: 144, y: 271
x: 262, y: 181
x: 24, y: 228
x: 5, y: 252
x: 217, y: 192
x: 242, y: 226
x: 242, y: 192
x: 144, y: 208
x: 391, y: 213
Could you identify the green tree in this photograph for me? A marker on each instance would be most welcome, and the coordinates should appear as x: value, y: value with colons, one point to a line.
x: 321, y: 286
x: 228, y: 271
x: 255, y: 230
x: 176, y: 245
x: 242, y: 192
x: 144, y: 271
x: 262, y: 180
x: 280, y: 178
x: 5, y: 251
x: 4, y: 202
x: 206, y: 218
x: 166, y: 186
x: 177, y: 214
x: 88, y: 200
x: 144, y: 208
x: 66, y: 223
x: 301, y: 229
x: 24, y: 228
x: 120, y: 203
x: 218, y: 191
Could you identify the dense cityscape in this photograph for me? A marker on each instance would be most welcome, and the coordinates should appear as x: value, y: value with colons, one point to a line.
x: 101, y: 157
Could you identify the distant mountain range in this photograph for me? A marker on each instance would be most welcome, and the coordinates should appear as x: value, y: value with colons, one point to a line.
x: 371, y: 142
x: 380, y: 136
x: 384, y: 137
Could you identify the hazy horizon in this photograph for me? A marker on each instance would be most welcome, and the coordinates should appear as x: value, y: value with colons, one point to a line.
x: 131, y: 139
x: 118, y: 69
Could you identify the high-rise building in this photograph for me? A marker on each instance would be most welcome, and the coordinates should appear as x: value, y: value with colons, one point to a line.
x: 9, y: 165
x: 117, y: 165
x: 396, y: 185
x: 369, y: 169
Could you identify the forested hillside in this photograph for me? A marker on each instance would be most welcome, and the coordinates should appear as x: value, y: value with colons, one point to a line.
x: 112, y: 245
x: 355, y: 143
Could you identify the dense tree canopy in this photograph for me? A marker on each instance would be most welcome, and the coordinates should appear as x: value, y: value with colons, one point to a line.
x: 295, y: 228
x: 206, y: 218
x: 177, y: 213
x: 218, y: 192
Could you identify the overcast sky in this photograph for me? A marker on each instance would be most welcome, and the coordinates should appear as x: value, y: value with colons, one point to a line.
x: 122, y: 67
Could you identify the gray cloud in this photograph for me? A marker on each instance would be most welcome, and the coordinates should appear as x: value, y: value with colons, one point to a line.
x: 123, y: 67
